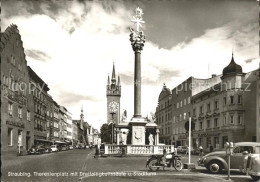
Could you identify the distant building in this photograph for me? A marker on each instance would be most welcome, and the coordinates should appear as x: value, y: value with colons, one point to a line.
x: 17, y: 112
x: 56, y: 122
x: 226, y: 111
x: 39, y: 96
x: 174, y: 108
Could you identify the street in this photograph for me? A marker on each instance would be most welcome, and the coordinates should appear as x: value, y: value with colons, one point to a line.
x: 80, y: 165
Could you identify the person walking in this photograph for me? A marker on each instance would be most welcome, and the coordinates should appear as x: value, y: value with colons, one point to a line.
x: 201, y: 151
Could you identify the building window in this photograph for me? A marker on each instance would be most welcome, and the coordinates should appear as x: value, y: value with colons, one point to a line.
x: 201, y: 125
x: 28, y: 116
x: 208, y: 142
x: 10, y: 109
x: 188, y: 100
x: 201, y: 109
x: 10, y: 136
x: 19, y: 112
x: 216, y: 104
x: 208, y: 107
x: 225, y: 120
x: 180, y: 117
x: 231, y: 99
x: 231, y: 119
x: 239, y: 99
x: 216, y: 142
x: 225, y: 101
x: 208, y: 123
x: 184, y: 102
x: 194, y: 111
x: 20, y: 138
x: 177, y: 105
x: 216, y: 122
x: 181, y: 104
x: 184, y: 115
x: 239, y: 119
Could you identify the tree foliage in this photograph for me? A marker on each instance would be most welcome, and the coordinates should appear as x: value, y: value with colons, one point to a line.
x: 105, y: 133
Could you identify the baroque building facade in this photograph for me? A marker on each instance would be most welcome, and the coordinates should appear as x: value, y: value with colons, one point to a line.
x: 218, y: 114
x: 226, y: 111
x: 16, y: 109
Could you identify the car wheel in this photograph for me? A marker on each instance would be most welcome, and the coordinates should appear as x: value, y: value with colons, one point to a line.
x: 255, y: 178
x: 215, y: 167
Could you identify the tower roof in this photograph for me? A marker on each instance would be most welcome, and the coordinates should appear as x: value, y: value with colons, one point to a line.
x: 113, y: 74
x: 108, y: 80
x: 232, y: 68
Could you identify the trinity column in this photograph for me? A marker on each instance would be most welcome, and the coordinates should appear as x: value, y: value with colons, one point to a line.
x: 137, y: 39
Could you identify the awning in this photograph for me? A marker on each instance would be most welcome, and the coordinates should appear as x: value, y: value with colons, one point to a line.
x: 43, y: 140
x: 59, y: 142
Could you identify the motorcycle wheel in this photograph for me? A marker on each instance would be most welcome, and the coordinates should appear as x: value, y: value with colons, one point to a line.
x: 153, y: 163
x: 178, y: 165
x: 255, y: 178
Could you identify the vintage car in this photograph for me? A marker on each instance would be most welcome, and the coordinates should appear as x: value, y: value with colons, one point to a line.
x: 252, y: 164
x: 216, y: 161
x: 36, y: 149
x: 54, y: 148
x: 182, y: 149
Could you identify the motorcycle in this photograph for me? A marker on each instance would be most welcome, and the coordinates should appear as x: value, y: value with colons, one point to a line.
x: 252, y: 166
x: 155, y: 162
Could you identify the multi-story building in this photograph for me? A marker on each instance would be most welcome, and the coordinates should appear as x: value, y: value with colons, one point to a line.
x: 16, y: 108
x: 75, y: 140
x: 56, y: 122
x: 49, y: 116
x: 69, y: 127
x: 63, y: 123
x: 38, y: 96
x: 226, y: 111
x: 174, y: 109
x: 80, y: 128
x: 164, y: 115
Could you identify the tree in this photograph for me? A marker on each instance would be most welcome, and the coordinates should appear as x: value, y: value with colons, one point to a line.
x: 105, y: 133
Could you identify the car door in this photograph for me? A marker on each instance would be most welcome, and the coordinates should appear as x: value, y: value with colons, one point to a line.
x: 236, y: 158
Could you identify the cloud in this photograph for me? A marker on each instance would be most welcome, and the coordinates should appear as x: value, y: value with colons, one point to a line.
x: 79, y: 42
x: 37, y: 55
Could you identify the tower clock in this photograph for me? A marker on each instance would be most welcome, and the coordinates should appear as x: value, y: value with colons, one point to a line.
x: 113, y: 98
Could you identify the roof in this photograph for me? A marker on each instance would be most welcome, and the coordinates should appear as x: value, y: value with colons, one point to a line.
x: 38, y: 79
x: 247, y: 143
x: 165, y: 92
x: 232, y: 68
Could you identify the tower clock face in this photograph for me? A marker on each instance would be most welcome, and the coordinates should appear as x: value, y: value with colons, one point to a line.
x: 113, y: 106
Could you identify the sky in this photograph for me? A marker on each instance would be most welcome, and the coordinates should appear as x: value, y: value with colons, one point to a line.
x: 72, y: 45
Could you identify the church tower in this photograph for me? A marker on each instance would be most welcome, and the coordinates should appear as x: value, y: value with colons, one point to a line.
x: 81, y: 118
x: 113, y: 98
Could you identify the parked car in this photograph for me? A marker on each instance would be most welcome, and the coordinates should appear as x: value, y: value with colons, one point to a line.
x: 47, y: 149
x: 216, y: 161
x: 54, y: 148
x: 63, y: 147
x: 36, y: 149
x: 70, y: 147
x: 182, y: 149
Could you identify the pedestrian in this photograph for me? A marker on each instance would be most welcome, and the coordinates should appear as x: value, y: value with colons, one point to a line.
x: 187, y: 151
x: 211, y: 148
x: 201, y: 151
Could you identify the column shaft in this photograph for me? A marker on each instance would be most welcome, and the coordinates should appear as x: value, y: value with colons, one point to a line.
x: 137, y: 85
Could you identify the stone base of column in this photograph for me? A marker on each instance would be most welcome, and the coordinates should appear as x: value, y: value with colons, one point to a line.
x: 189, y: 166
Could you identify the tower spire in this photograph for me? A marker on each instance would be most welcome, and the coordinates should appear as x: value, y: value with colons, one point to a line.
x: 113, y: 74
x: 108, y: 80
